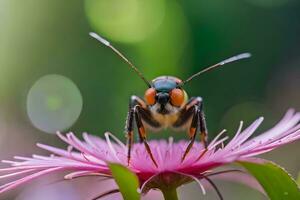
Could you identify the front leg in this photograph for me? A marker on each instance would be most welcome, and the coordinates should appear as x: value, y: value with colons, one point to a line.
x: 192, y: 131
x: 203, y: 127
x: 134, y: 100
x: 141, y: 130
x: 194, y: 109
x: 138, y: 111
x: 198, y: 102
x: 203, y: 130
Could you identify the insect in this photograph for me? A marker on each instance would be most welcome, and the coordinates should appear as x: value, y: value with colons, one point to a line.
x: 166, y: 105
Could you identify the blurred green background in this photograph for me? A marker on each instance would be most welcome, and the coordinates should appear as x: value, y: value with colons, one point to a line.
x: 53, y: 76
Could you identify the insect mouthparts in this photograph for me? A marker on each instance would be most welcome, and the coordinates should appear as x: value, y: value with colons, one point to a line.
x: 163, y: 98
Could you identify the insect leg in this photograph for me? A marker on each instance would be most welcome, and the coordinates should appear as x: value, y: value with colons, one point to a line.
x: 142, y: 132
x: 146, y: 117
x: 198, y: 122
x: 203, y: 127
x: 203, y: 130
x: 129, y: 133
x: 134, y: 100
x: 192, y: 131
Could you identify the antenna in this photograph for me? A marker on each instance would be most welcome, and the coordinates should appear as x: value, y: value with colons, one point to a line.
x: 224, y: 62
x: 106, y: 43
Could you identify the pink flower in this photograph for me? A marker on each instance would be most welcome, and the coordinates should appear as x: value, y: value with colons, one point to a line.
x: 91, y: 155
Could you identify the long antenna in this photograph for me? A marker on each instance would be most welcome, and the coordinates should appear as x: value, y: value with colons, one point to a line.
x: 228, y: 60
x: 106, y: 43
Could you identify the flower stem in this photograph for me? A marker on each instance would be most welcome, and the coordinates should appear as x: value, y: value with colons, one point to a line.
x: 170, y: 194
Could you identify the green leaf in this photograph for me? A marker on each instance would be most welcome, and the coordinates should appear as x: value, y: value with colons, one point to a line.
x: 298, y: 179
x: 277, y: 183
x: 127, y: 181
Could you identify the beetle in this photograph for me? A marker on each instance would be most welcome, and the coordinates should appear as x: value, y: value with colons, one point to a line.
x: 166, y: 105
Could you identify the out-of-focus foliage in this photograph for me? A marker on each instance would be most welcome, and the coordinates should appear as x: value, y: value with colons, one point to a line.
x: 131, y: 21
x: 298, y: 179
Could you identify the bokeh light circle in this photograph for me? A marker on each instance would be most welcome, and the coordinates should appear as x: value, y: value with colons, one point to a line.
x: 54, y: 103
x: 125, y: 20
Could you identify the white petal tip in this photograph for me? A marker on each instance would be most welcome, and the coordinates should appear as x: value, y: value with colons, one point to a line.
x: 7, y: 161
x: 85, y: 134
x: 58, y: 133
x: 39, y: 144
x: 67, y: 177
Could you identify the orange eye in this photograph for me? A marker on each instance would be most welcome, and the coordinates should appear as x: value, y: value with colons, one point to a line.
x: 177, y: 97
x: 150, y: 96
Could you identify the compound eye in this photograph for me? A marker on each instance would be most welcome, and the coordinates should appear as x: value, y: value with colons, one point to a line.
x: 150, y: 96
x: 177, y: 97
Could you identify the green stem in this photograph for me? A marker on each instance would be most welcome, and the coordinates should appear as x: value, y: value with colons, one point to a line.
x: 170, y: 194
